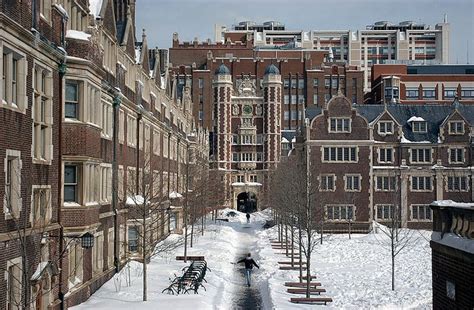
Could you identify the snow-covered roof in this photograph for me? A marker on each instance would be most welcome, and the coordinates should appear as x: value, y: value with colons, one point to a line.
x: 95, y: 6
x: 61, y: 9
x: 254, y: 184
x: 78, y: 35
x: 294, y: 139
x: 284, y: 140
x: 174, y: 195
x: 415, y: 119
x: 238, y: 184
x: 135, y: 200
x: 454, y: 204
x: 405, y: 140
x: 137, y: 55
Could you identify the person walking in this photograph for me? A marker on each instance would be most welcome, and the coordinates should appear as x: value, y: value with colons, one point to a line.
x: 249, y: 263
x: 248, y: 218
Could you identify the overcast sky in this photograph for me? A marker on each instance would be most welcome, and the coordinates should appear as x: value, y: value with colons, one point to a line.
x: 196, y: 18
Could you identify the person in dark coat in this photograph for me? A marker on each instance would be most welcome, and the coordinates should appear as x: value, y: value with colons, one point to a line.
x: 248, y: 218
x: 249, y: 263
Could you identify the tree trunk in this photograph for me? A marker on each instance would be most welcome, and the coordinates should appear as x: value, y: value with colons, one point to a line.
x: 322, y: 231
x: 292, y: 246
x: 299, y: 250
x: 144, y: 249
x: 286, y: 239
x: 308, y: 264
x: 393, y: 263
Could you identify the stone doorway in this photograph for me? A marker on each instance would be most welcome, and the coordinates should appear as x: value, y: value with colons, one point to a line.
x: 247, y: 202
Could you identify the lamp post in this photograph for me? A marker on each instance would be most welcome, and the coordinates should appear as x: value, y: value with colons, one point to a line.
x: 140, y: 111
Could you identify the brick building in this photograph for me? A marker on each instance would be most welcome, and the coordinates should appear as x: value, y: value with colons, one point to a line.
x: 452, y: 248
x: 381, y: 42
x: 87, y: 128
x: 301, y: 78
x: 370, y: 161
x: 30, y: 93
x: 422, y: 83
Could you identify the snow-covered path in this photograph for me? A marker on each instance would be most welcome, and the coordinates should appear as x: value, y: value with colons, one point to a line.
x: 222, y: 244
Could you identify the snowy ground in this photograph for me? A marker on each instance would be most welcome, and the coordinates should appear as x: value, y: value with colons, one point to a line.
x: 355, y: 273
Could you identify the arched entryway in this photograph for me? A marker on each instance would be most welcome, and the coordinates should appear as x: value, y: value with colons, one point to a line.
x: 247, y: 202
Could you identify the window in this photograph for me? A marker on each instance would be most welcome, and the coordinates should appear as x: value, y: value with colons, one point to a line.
x: 419, y: 126
x: 106, y: 182
x: 301, y: 99
x: 412, y: 93
x: 247, y: 156
x: 352, y: 182
x: 293, y: 99
x: 42, y: 114
x: 456, y: 127
x: 339, y: 125
x: 106, y: 116
x: 200, y: 83
x: 457, y: 184
x: 110, y: 247
x: 421, y: 213
x: 327, y: 82
x: 259, y: 156
x: 98, y: 254
x: 334, y: 82
x: 235, y: 156
x: 385, y: 183
x: 315, y: 97
x: 156, y: 142
x: 340, y: 154
x: 72, y: 100
x: 315, y: 82
x: 286, y: 115
x: 293, y: 83
x: 12, y: 199
x: 14, y: 283
x: 75, y: 263
x: 70, y: 183
x: 422, y: 183
x: 286, y: 99
x: 246, y: 139
x: 240, y: 179
x: 420, y: 155
x: 253, y: 178
x: 385, y: 127
x: 300, y: 83
x: 121, y: 134
x: 340, y: 212
x: 456, y: 155
x: 41, y: 205
x: 327, y: 97
x: 467, y: 93
x: 14, y: 80
x: 450, y: 93
x: 327, y: 182
x: 385, y: 212
x: 131, y: 131
x: 293, y: 115
x: 429, y: 93
x: 133, y: 239
x: 385, y: 155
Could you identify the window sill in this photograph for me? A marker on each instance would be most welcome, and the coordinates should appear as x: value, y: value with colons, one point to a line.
x: 40, y: 161
x: 12, y: 107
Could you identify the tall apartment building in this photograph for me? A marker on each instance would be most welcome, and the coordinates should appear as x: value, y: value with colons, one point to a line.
x: 380, y: 43
x: 90, y: 133
x: 305, y: 79
x: 370, y: 162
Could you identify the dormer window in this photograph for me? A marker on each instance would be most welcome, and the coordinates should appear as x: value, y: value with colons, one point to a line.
x: 418, y: 124
x: 385, y: 128
x: 338, y: 125
x: 456, y: 128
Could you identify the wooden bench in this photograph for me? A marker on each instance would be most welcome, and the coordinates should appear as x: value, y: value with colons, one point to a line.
x: 302, y: 284
x: 291, y: 268
x: 311, y: 277
x: 311, y: 300
x: 312, y: 291
x: 190, y: 257
x: 296, y: 262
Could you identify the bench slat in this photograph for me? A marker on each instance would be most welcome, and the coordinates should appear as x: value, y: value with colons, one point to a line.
x: 302, y: 284
x: 311, y: 300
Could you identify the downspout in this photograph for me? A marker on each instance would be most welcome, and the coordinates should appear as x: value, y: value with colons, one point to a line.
x: 116, y: 107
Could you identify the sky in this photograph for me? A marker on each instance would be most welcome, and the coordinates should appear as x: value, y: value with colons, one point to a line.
x: 196, y: 18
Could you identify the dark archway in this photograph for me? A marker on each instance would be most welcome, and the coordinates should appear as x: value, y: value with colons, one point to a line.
x: 247, y: 202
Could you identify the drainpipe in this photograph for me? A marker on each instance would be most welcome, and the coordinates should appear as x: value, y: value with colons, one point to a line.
x: 116, y: 108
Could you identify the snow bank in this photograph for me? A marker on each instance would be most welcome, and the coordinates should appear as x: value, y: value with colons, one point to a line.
x: 174, y: 195
x: 135, y: 200
x: 451, y: 203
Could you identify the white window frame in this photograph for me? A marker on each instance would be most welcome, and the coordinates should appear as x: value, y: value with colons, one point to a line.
x: 14, y: 83
x: 324, y: 185
x: 419, y: 126
x: 385, y: 206
x: 12, y: 205
x: 453, y: 129
x: 349, y: 182
x: 339, y: 154
x: 415, y: 155
x: 385, y: 128
x: 36, y: 206
x: 382, y: 155
x: 18, y: 278
x: 426, y: 207
x: 340, y: 207
x: 450, y: 186
x: 391, y: 182
x: 340, y: 124
x: 425, y: 188
x: 458, y: 151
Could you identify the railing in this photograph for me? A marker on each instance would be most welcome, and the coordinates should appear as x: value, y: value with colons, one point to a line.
x: 454, y: 218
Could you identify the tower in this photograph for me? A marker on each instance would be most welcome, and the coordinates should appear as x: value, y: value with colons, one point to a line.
x: 271, y: 115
